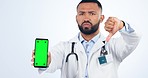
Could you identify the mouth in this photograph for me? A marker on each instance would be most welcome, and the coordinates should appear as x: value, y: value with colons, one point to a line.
x: 86, y: 25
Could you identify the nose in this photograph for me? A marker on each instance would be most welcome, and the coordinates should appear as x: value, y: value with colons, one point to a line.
x: 86, y: 17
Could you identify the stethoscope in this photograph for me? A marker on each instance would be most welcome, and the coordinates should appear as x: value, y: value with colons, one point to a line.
x: 72, y: 52
x: 70, y: 73
x: 102, y: 53
x: 103, y: 50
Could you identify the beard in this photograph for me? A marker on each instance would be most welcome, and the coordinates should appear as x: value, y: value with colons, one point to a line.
x: 91, y: 30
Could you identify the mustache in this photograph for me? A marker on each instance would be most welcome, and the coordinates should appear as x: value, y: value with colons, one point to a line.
x: 86, y: 22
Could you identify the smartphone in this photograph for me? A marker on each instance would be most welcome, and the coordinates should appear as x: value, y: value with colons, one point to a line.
x: 41, y: 53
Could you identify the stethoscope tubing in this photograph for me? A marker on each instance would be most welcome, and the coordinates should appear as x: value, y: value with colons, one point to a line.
x: 102, y: 53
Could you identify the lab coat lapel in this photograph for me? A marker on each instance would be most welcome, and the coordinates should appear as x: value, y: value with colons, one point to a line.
x: 98, y: 44
x: 95, y: 48
x: 79, y: 46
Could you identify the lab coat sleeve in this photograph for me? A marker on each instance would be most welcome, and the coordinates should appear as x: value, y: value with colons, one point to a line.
x: 121, y: 47
x: 57, y: 56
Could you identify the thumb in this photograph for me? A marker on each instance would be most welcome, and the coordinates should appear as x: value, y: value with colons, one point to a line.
x: 109, y: 37
x: 49, y: 58
x: 49, y: 54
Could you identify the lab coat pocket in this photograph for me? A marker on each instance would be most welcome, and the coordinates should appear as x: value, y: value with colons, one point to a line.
x: 105, y: 62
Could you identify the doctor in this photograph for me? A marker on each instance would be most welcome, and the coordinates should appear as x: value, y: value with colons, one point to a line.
x: 89, y: 54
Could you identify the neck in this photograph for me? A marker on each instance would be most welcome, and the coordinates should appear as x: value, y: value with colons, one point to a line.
x: 90, y: 36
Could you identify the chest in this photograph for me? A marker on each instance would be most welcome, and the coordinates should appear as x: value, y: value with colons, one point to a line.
x: 95, y: 62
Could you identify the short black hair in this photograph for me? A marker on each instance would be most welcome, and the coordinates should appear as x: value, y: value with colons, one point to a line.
x: 93, y: 1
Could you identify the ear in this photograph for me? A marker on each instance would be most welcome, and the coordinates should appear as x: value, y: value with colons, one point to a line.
x: 76, y: 16
x: 102, y: 18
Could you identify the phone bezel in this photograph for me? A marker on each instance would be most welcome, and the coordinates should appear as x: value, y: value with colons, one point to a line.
x: 35, y: 53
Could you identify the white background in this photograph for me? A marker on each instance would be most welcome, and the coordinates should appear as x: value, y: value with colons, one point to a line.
x: 21, y: 21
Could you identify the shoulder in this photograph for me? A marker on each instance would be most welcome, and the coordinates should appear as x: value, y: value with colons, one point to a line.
x: 65, y: 44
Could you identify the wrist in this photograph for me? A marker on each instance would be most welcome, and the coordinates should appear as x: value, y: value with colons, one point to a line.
x: 122, y: 24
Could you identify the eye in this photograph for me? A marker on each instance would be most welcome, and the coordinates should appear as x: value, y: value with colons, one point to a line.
x: 81, y: 13
x: 92, y: 13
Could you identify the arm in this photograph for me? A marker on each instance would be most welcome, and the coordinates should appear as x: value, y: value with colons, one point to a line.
x: 124, y: 45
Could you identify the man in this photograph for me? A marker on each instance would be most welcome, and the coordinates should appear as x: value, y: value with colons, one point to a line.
x: 89, y: 54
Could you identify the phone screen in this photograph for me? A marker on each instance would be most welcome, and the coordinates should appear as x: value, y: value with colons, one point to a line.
x: 41, y: 53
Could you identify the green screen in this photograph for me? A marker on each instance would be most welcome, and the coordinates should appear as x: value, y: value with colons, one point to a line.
x: 41, y: 53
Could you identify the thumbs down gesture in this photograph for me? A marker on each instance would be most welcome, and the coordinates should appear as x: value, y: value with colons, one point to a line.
x: 112, y: 25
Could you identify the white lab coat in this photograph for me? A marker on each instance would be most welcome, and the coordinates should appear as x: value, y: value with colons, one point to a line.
x: 118, y: 49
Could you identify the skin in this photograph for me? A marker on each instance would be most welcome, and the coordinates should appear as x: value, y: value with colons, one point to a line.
x: 89, y: 12
x: 92, y: 13
x: 112, y: 25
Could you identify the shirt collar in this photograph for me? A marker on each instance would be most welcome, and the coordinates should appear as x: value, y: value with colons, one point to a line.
x: 94, y: 39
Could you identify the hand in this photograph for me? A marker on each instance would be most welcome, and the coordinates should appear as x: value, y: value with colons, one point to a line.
x: 112, y: 25
x: 32, y: 59
x: 49, y: 58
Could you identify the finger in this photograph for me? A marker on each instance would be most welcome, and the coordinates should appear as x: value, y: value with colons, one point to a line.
x: 49, y: 58
x: 108, y: 29
x: 109, y: 23
x: 111, y: 19
x: 109, y: 26
x: 32, y: 64
x: 49, y: 54
x: 32, y: 60
x: 33, y: 53
x: 109, y: 37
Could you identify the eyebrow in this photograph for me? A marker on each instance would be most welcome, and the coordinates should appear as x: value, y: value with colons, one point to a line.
x: 92, y: 12
x: 87, y: 11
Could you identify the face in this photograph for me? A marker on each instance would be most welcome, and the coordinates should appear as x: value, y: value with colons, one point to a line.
x: 89, y: 16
